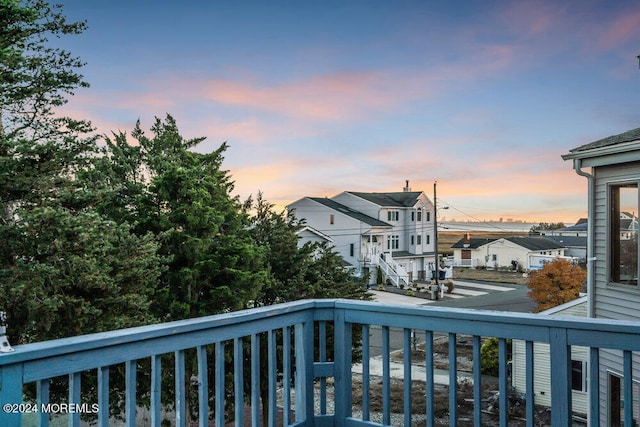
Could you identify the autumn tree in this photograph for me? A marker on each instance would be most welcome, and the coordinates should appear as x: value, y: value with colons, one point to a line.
x: 557, y: 282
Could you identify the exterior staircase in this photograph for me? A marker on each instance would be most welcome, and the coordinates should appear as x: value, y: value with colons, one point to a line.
x: 393, y: 271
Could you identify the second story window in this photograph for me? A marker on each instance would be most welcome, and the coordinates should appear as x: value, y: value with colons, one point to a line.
x: 331, y: 219
x: 393, y: 215
x: 623, y: 234
x: 428, y: 216
x: 419, y: 214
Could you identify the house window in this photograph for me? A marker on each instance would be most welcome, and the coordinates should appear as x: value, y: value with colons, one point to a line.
x: 393, y: 242
x: 623, y: 261
x: 419, y: 239
x: 413, y: 215
x: 428, y: 216
x: 419, y: 214
x: 393, y: 215
x: 351, y: 248
x: 331, y: 219
x: 579, y: 375
x: 428, y: 239
x: 413, y: 240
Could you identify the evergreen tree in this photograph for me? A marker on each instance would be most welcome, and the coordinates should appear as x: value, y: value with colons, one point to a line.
x: 162, y: 187
x: 62, y: 270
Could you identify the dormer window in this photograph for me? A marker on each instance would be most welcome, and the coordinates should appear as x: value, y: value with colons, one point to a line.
x: 623, y: 243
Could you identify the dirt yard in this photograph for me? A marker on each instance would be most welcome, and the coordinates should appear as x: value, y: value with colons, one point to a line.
x: 464, y: 398
x: 499, y: 276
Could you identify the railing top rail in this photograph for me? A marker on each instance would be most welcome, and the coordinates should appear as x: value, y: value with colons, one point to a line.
x: 496, y: 317
x: 129, y: 335
x: 601, y: 332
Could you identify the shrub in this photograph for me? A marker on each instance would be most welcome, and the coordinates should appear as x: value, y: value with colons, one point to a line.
x: 381, y: 287
x: 410, y: 293
x: 489, y: 359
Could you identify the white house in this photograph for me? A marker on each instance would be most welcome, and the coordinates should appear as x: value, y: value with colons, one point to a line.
x: 542, y: 363
x: 310, y: 234
x: 391, y: 230
x: 528, y: 252
x: 612, y: 169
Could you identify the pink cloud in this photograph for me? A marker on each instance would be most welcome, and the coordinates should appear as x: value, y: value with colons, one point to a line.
x: 624, y: 28
x: 339, y: 96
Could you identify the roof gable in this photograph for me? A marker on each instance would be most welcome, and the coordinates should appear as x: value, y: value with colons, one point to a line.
x: 472, y: 243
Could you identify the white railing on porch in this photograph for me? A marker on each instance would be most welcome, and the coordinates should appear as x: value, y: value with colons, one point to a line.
x: 472, y: 263
x: 304, y: 343
x: 393, y: 271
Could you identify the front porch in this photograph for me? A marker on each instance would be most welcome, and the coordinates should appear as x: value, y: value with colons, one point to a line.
x: 287, y: 350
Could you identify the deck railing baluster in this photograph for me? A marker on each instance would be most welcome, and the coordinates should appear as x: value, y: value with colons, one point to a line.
x: 429, y: 379
x: 407, y: 376
x: 628, y: 387
x: 219, y: 384
x: 477, y: 381
x: 181, y: 396
x: 156, y: 389
x: 130, y: 392
x: 203, y: 387
x: 286, y: 375
x: 42, y: 398
x: 238, y: 380
x: 594, y: 385
x: 272, y: 363
x: 453, y: 380
x: 365, y: 373
x: 529, y: 372
x: 255, y: 380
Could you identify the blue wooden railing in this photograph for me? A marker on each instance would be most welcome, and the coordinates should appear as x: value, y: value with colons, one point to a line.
x: 304, y: 343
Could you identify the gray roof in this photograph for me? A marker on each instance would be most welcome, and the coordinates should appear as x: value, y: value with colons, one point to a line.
x: 569, y: 241
x: 535, y: 243
x: 400, y: 199
x: 628, y: 136
x: 350, y: 212
x: 472, y: 243
x: 582, y: 226
x: 531, y: 243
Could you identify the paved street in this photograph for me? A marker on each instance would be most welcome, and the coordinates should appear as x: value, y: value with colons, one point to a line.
x: 482, y: 296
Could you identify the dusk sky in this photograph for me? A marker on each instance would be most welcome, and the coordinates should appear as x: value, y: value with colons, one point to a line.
x: 318, y: 97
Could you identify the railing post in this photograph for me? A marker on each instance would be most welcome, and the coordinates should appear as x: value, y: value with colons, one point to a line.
x: 343, y: 350
x: 560, y: 354
x: 10, y: 393
x: 304, y: 373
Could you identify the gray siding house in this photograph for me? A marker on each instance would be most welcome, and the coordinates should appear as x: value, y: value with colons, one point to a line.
x: 612, y: 169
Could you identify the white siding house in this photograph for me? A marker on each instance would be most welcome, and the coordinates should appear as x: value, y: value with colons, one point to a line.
x: 612, y: 168
x: 542, y: 363
x: 393, y: 230
x: 528, y: 252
